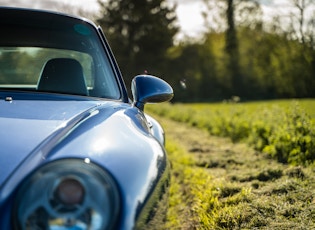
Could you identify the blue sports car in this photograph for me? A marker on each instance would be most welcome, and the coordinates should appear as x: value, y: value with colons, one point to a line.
x: 75, y: 151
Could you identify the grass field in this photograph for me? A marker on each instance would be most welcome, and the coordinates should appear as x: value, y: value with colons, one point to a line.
x: 284, y: 129
x: 222, y: 182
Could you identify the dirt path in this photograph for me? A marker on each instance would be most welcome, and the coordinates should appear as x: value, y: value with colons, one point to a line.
x: 221, y: 157
x: 280, y: 197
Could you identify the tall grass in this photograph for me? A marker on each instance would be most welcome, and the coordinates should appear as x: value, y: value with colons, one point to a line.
x: 216, y: 184
x: 283, y: 129
x: 282, y: 198
x: 193, y: 197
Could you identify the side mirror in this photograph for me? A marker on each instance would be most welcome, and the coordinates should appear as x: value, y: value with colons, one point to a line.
x: 150, y: 89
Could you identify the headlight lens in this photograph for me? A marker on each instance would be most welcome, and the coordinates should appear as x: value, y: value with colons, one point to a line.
x: 67, y: 194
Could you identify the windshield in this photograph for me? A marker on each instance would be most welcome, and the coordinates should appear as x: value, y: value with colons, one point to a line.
x: 53, y: 53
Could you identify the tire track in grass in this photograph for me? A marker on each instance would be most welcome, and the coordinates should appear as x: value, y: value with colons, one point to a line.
x: 217, y: 184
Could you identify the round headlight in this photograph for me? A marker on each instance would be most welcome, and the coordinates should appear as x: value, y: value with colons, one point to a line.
x: 70, y: 191
x: 67, y: 194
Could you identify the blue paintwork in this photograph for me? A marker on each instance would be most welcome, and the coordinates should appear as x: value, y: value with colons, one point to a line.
x: 112, y: 134
x: 30, y: 122
x: 37, y: 128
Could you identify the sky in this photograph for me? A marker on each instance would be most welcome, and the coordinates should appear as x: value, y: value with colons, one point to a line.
x: 188, y: 12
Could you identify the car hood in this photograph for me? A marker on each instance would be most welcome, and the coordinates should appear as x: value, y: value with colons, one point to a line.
x: 25, y: 124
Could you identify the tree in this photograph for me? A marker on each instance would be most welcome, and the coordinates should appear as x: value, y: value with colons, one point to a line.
x: 140, y: 33
x: 228, y: 10
x: 300, y: 19
x: 193, y: 70
x: 232, y: 50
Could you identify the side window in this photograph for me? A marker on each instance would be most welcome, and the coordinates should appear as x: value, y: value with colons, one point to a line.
x: 88, y: 68
x: 84, y: 59
x: 20, y: 67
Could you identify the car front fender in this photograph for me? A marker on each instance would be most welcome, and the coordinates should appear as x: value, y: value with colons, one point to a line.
x: 156, y: 129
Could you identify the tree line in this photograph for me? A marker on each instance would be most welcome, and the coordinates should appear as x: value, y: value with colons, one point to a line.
x: 240, y: 55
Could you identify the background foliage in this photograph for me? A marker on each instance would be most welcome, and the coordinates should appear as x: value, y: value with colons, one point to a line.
x: 240, y: 54
x: 140, y: 33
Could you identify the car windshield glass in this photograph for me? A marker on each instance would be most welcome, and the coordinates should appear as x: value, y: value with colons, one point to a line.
x: 54, y: 53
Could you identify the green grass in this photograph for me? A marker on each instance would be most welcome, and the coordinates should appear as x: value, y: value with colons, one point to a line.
x: 284, y: 129
x: 218, y: 184
x: 185, y: 199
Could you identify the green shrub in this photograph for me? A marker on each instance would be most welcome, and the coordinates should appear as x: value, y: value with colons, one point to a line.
x: 281, y: 129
